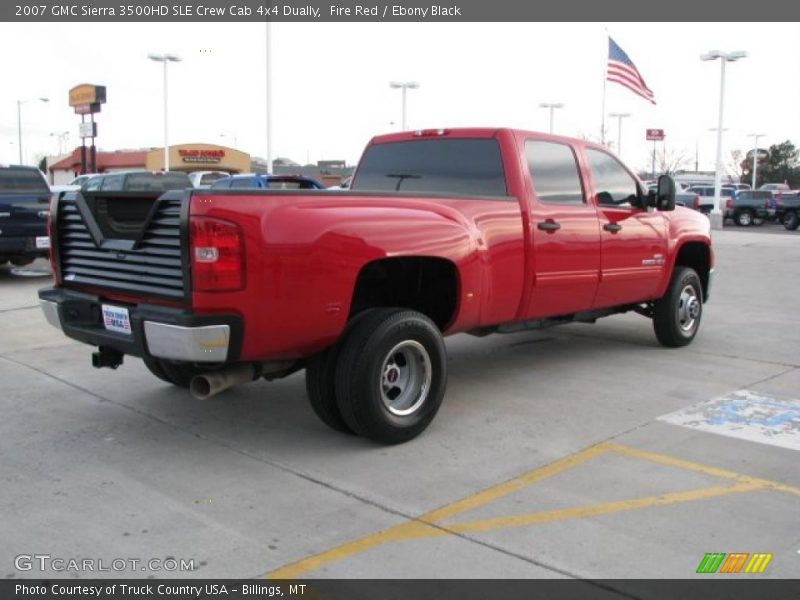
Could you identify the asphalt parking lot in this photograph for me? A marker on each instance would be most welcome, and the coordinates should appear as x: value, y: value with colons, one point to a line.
x: 581, y: 451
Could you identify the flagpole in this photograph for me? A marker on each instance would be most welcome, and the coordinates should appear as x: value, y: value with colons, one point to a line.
x: 605, y: 78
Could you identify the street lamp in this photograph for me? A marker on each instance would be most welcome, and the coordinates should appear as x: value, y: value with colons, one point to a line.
x: 404, y: 85
x: 552, y: 106
x: 724, y: 57
x: 19, y: 121
x: 165, y: 58
x: 61, y: 139
x: 619, y: 117
x: 755, y: 137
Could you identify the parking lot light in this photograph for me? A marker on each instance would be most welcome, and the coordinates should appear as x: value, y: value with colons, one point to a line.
x: 724, y: 57
x: 404, y: 85
x: 165, y: 58
x: 552, y: 106
x: 19, y: 121
x: 755, y: 137
x: 619, y: 117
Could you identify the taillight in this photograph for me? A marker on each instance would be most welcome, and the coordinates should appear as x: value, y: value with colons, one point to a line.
x: 217, y: 249
x: 696, y: 202
x: 729, y: 203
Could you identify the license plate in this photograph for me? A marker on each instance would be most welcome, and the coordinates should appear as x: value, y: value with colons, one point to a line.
x: 115, y: 318
x: 42, y: 242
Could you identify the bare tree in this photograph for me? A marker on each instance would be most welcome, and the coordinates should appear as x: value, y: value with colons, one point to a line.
x: 735, y: 165
x: 668, y: 160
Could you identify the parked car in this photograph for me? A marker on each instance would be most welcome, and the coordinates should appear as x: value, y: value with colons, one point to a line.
x: 776, y: 188
x: 750, y: 207
x: 787, y: 211
x: 255, y: 181
x: 480, y: 230
x: 72, y: 186
x: 204, y: 179
x: 24, y: 209
x: 138, y: 181
x: 705, y: 194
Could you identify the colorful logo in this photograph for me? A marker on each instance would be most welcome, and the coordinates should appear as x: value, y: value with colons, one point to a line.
x: 736, y: 562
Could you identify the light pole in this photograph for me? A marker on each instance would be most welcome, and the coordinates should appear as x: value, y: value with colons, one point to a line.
x: 755, y: 137
x: 165, y: 58
x: 268, y: 44
x: 19, y: 121
x: 61, y: 138
x: 404, y: 85
x: 619, y: 117
x: 552, y: 106
x: 724, y: 57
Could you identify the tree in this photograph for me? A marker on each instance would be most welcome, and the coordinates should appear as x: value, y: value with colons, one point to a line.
x: 735, y: 166
x: 668, y: 160
x: 782, y: 164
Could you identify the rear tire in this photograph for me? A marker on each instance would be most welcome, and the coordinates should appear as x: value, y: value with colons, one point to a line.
x: 791, y: 221
x: 321, y: 388
x: 676, y: 315
x: 392, y: 375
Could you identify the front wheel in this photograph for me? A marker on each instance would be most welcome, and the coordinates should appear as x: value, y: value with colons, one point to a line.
x: 676, y: 315
x: 391, y: 375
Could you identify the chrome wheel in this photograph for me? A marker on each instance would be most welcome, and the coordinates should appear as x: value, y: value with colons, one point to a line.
x: 689, y: 307
x: 406, y: 376
x: 745, y: 218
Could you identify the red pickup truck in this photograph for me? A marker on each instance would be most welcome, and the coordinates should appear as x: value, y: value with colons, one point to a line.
x: 443, y: 231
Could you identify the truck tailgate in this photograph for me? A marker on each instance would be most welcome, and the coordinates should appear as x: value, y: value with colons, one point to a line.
x: 124, y: 242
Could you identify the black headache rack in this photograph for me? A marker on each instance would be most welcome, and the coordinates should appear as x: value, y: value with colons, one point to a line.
x: 126, y: 242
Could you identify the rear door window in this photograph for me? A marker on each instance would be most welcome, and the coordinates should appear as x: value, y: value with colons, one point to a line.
x: 554, y: 171
x: 464, y: 167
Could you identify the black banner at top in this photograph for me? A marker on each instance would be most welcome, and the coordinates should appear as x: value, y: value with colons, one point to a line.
x: 394, y: 11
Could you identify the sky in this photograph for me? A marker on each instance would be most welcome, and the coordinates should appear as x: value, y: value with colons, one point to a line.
x: 331, y: 83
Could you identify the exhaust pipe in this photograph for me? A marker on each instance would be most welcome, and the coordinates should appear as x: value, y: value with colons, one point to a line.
x: 210, y: 384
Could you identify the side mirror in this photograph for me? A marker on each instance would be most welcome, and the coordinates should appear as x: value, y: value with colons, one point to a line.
x: 665, y: 196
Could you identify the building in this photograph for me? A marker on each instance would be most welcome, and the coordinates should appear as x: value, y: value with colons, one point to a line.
x: 182, y: 157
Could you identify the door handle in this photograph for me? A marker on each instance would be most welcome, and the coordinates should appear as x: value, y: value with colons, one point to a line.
x: 549, y: 226
x: 612, y: 227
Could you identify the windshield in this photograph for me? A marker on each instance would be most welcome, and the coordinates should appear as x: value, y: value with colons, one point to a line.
x: 22, y: 181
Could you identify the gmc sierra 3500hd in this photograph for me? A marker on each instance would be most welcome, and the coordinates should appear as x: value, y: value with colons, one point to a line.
x: 443, y: 231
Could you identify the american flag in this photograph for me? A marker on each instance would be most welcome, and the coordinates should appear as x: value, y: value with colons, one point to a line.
x: 622, y: 70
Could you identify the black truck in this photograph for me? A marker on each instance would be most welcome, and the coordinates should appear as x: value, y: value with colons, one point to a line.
x: 24, y: 208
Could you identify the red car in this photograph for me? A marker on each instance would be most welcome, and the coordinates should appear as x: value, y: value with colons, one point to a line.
x: 443, y: 231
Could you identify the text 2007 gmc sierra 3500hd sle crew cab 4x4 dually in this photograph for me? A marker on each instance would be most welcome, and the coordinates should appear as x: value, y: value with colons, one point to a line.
x: 443, y: 231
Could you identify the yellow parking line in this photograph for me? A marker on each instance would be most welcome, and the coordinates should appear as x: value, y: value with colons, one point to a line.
x: 429, y: 524
x: 421, y: 527
x: 513, y: 485
x: 594, y: 510
x: 713, y: 471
